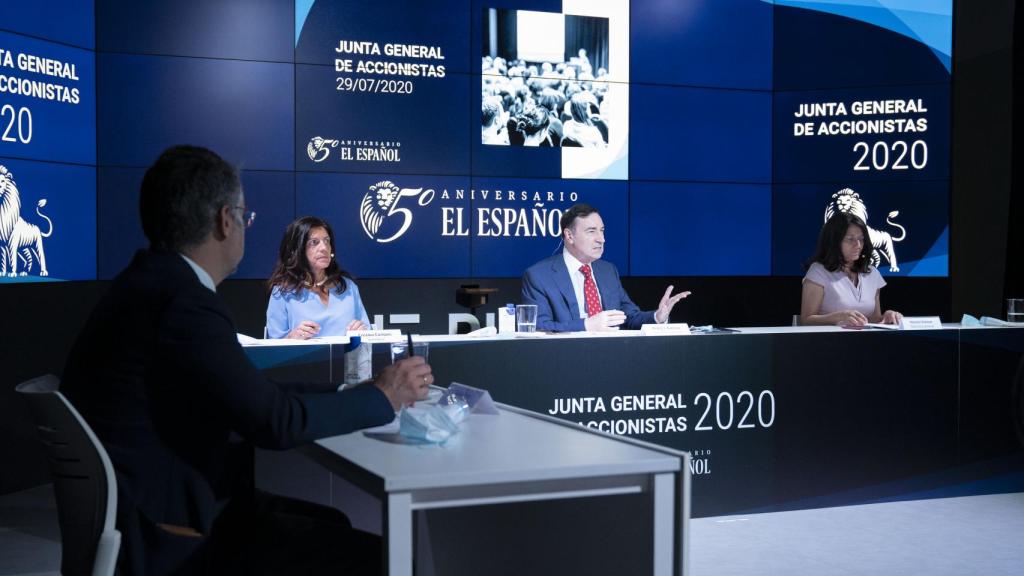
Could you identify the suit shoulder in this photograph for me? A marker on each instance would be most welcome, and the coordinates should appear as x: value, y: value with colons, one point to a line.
x: 542, y: 267
x: 606, y: 266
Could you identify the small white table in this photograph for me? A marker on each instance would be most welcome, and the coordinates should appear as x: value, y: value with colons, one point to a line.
x: 517, y: 456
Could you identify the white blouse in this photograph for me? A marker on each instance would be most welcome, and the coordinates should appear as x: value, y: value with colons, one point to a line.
x: 841, y: 294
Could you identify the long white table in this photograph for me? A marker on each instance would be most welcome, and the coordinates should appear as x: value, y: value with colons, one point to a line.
x: 815, y: 414
x: 517, y: 456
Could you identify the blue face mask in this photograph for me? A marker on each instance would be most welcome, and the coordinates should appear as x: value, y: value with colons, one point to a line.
x: 435, y: 423
x: 969, y: 320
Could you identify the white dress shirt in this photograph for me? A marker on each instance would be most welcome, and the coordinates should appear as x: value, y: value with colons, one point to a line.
x: 577, y: 282
x: 204, y: 278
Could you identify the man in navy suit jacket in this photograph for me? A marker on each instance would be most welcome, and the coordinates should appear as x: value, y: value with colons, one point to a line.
x: 159, y: 375
x: 568, y: 301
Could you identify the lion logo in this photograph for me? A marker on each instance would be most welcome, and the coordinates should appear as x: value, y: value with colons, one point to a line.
x: 319, y: 148
x: 846, y: 200
x: 19, y: 240
x: 381, y: 203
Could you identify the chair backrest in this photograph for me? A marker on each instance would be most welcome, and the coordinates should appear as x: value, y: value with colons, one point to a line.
x: 83, y: 480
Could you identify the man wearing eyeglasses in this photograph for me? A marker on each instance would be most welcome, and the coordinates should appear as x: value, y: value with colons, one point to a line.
x: 159, y: 375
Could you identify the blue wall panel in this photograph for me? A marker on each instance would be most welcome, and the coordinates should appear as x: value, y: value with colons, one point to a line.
x: 699, y: 134
x: 722, y: 43
x: 242, y: 110
x: 250, y: 30
x: 683, y: 229
x: 75, y: 24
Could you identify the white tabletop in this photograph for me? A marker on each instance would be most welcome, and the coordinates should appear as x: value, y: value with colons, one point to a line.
x: 611, y: 334
x: 492, y: 449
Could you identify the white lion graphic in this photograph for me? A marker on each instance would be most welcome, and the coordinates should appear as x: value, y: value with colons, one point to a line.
x: 18, y: 238
x: 846, y: 200
x: 376, y: 204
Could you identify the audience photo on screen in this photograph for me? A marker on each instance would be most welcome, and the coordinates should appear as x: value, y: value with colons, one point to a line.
x: 542, y: 61
x: 576, y: 291
x: 566, y: 97
x: 159, y: 375
x: 841, y: 286
x: 310, y: 294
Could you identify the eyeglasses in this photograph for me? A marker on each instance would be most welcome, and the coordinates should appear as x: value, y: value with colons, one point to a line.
x: 248, y: 216
x: 854, y: 239
x: 314, y: 242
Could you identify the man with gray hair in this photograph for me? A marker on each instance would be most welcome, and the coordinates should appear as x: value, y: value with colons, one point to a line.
x: 493, y: 118
x: 159, y: 375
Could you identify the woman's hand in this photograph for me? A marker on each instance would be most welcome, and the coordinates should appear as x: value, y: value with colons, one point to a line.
x: 356, y: 324
x: 305, y: 330
x: 849, y: 318
x: 892, y: 317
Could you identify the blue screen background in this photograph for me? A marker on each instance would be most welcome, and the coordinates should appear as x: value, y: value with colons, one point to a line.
x: 717, y: 183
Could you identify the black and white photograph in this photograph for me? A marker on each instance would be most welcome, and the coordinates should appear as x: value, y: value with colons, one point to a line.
x: 545, y: 80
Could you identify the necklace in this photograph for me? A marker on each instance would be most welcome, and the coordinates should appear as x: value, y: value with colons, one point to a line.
x: 317, y: 284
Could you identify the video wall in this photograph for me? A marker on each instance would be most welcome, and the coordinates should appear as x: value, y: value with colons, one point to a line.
x: 445, y: 138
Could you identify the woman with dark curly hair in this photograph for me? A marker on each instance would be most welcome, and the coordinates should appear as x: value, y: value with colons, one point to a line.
x: 841, y: 287
x: 532, y: 127
x: 310, y: 295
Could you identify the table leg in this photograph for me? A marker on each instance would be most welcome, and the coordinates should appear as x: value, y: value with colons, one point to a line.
x: 398, y: 534
x: 663, y: 496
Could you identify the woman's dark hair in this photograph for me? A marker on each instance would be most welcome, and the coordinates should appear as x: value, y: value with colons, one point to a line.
x: 829, y: 252
x: 292, y: 272
x: 532, y: 121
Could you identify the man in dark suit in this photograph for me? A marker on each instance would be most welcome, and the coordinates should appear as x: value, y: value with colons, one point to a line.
x: 159, y: 375
x: 576, y: 291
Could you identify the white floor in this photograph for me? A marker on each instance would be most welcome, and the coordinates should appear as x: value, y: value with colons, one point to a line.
x: 951, y: 536
x: 967, y: 535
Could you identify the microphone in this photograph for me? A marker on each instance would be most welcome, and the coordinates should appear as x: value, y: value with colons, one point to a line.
x: 557, y: 247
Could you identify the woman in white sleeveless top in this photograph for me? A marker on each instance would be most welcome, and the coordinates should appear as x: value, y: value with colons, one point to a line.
x: 841, y: 287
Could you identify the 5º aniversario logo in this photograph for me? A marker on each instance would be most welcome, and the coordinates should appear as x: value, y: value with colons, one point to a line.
x: 319, y: 148
x: 380, y: 205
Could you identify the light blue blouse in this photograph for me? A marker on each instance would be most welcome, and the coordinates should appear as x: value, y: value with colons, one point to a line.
x: 286, y: 311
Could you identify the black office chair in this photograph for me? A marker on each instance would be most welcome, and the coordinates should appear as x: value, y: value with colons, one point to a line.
x: 83, y: 480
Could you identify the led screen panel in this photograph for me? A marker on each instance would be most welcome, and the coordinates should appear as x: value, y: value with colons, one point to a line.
x: 47, y: 221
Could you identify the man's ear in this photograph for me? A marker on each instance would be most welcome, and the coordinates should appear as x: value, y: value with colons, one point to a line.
x: 223, y: 222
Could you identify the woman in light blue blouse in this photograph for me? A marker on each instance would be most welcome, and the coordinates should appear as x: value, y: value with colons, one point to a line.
x: 310, y: 295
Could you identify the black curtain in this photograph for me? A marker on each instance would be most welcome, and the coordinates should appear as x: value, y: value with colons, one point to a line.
x: 503, y: 43
x: 1014, y: 285
x: 591, y: 34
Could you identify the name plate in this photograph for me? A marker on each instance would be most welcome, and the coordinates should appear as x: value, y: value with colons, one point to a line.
x: 479, y: 400
x: 665, y: 329
x: 377, y: 336
x: 921, y: 323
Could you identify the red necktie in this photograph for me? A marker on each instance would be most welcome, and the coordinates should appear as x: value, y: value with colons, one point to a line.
x: 590, y: 291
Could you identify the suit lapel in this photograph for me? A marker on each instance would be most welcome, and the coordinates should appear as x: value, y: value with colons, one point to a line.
x: 561, y: 274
